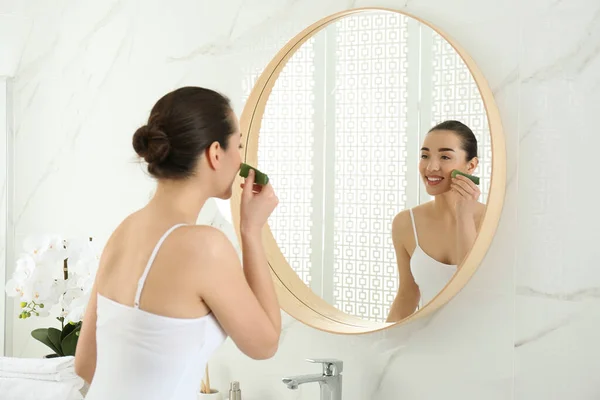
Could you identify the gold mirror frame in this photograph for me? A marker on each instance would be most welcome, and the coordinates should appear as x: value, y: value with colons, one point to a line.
x: 295, y: 297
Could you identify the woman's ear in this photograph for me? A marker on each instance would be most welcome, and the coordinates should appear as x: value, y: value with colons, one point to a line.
x: 472, y: 165
x: 213, y: 155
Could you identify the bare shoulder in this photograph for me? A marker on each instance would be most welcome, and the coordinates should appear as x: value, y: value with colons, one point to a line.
x: 206, y: 242
x: 424, y: 209
x: 196, y: 237
x: 402, y: 221
x: 116, y: 238
x: 402, y: 229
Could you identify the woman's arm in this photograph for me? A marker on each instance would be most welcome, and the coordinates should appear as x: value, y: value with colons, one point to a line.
x: 408, y: 296
x: 85, y: 353
x: 466, y: 210
x: 258, y: 276
x: 466, y: 233
x: 244, y: 301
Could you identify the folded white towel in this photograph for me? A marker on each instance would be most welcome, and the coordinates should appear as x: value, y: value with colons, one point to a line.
x: 28, y: 389
x: 52, y: 377
x: 48, y: 369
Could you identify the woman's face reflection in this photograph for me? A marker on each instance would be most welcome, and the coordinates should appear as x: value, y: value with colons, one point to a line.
x: 441, y: 153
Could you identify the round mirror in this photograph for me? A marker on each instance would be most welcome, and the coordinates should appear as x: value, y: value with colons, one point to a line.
x: 362, y: 122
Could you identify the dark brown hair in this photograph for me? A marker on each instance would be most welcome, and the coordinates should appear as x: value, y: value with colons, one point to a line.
x: 467, y: 137
x: 182, y: 124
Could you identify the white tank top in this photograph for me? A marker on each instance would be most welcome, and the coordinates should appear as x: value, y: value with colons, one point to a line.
x: 146, y: 356
x: 430, y: 275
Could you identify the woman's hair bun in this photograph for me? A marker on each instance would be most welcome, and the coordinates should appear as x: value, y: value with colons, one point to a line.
x: 181, y: 126
x: 151, y: 143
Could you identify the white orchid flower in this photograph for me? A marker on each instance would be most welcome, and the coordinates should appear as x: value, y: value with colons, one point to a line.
x: 73, y: 304
x: 15, y: 288
x: 87, y: 282
x: 25, y: 268
x: 22, y: 290
x: 49, y: 271
x: 44, y: 291
x: 82, y: 282
x: 48, y: 248
x: 77, y: 308
x: 20, y: 285
x: 39, y: 280
x: 81, y: 249
x: 84, y: 266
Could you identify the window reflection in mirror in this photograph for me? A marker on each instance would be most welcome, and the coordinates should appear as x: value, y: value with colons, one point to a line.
x: 342, y: 138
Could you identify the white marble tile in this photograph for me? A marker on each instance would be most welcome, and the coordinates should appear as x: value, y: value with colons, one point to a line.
x: 3, y: 203
x: 556, y: 250
x: 445, y: 15
x: 473, y: 335
x: 557, y: 281
x: 14, y: 30
x: 569, y: 54
x: 7, y: 7
x: 557, y: 351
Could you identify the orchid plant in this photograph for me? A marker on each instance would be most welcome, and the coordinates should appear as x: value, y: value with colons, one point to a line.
x: 55, y: 271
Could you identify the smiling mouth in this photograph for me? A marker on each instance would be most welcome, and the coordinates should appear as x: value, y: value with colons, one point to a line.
x: 434, y: 180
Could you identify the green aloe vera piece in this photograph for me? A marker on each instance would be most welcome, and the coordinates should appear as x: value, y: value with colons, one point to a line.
x: 474, y: 179
x: 260, y: 178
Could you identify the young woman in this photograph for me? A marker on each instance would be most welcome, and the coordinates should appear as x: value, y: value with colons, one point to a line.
x: 432, y: 239
x: 168, y: 292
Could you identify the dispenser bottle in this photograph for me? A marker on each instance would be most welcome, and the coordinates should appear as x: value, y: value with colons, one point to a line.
x: 234, y: 391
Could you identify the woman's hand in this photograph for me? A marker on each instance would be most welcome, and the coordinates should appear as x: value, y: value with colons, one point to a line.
x: 258, y: 202
x: 467, y: 194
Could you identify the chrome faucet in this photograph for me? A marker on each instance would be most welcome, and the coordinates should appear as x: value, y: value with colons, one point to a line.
x: 330, y: 380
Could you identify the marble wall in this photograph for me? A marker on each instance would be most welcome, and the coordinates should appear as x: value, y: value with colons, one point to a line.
x: 13, y: 32
x: 3, y: 199
x: 523, y: 329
